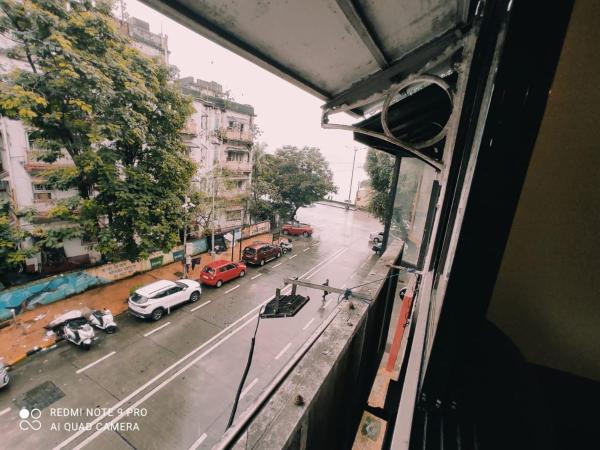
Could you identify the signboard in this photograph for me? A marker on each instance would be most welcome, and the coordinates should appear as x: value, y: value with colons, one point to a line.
x: 177, y: 255
x: 157, y: 262
x: 237, y: 233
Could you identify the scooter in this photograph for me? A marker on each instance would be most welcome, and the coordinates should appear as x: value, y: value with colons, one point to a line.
x: 73, y: 327
x: 103, y: 320
x: 4, y: 378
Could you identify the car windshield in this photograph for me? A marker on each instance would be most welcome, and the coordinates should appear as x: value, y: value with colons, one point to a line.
x: 181, y: 285
x: 137, y: 298
x: 249, y: 251
x: 208, y: 270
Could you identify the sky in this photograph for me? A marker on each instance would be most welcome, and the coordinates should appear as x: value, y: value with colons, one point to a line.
x: 286, y: 114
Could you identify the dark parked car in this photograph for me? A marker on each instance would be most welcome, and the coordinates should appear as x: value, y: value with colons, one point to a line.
x: 260, y: 253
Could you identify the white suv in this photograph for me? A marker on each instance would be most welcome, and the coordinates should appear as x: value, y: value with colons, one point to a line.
x: 153, y: 300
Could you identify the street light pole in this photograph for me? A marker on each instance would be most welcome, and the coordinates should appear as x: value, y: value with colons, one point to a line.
x: 352, y: 176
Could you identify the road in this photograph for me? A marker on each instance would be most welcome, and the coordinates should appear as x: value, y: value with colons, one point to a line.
x: 171, y: 384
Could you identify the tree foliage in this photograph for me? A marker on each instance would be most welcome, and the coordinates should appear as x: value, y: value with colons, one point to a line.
x: 288, y: 180
x: 90, y: 93
x: 12, y: 254
x: 380, y: 168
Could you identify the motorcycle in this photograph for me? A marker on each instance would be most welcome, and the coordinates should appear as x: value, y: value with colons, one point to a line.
x: 103, y: 320
x: 73, y: 327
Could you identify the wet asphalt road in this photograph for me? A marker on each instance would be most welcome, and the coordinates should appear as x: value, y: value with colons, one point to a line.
x: 179, y: 375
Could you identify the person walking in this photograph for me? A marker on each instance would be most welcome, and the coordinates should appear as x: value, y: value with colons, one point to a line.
x: 325, y: 293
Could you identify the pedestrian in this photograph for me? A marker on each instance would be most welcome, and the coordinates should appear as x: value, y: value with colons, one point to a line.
x: 325, y: 293
x: 188, y: 264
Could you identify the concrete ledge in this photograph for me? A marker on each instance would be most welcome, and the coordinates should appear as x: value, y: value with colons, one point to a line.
x: 333, y: 378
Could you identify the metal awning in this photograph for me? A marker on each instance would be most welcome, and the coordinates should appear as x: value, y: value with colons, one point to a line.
x: 337, y: 50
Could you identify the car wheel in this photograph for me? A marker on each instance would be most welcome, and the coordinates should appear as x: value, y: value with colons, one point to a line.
x: 262, y: 262
x: 242, y: 273
x: 157, y: 314
x: 219, y: 283
x: 278, y: 254
x: 194, y: 297
x: 305, y: 234
x: 86, y: 347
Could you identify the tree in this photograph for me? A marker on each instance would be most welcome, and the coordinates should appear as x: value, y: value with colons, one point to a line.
x: 380, y: 168
x: 290, y: 179
x: 12, y: 253
x: 115, y: 112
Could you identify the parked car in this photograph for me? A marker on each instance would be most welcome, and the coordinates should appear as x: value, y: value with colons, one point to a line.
x: 153, y: 300
x: 218, y: 272
x: 297, y: 229
x: 260, y: 253
x: 376, y: 237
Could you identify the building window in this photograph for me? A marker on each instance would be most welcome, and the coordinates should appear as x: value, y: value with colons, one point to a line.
x: 411, y: 208
x: 42, y: 187
x: 233, y: 215
x: 42, y: 197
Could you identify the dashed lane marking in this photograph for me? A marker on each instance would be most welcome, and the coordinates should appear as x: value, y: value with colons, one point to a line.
x: 200, y: 306
x: 283, y: 350
x: 156, y: 329
x: 94, y: 363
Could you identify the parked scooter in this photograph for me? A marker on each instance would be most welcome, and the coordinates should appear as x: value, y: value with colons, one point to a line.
x: 103, y: 319
x: 73, y: 327
x: 4, y: 378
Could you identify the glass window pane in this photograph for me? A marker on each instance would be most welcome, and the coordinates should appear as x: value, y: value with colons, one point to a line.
x: 409, y: 215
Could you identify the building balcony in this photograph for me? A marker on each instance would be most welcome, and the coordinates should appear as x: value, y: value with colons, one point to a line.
x: 235, y: 135
x: 190, y: 129
x: 238, y: 166
x: 33, y: 164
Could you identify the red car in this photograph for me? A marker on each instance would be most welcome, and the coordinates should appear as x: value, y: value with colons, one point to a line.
x: 260, y: 253
x: 297, y: 229
x: 218, y: 272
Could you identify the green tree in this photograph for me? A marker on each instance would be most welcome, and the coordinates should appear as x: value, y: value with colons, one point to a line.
x: 380, y: 168
x: 115, y: 112
x: 12, y: 253
x: 288, y: 180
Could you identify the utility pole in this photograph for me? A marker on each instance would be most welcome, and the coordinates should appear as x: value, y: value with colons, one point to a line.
x: 352, y: 175
x: 212, y: 247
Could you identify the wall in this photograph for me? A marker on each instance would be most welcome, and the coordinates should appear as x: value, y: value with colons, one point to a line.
x: 56, y: 288
x: 547, y: 295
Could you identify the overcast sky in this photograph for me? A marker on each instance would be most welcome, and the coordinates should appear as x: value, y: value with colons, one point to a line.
x: 284, y: 113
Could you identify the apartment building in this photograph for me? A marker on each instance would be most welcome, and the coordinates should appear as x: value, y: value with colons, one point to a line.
x: 219, y: 137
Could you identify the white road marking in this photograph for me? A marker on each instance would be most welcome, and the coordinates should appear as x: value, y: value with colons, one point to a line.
x: 199, y: 441
x: 200, y: 306
x: 256, y: 276
x: 277, y: 265
x: 283, y: 350
x: 120, y: 403
x: 292, y: 257
x: 4, y: 411
x: 250, y: 386
x: 94, y: 363
x: 308, y: 324
x: 338, y: 254
x: 156, y: 329
x: 232, y: 289
x: 306, y: 249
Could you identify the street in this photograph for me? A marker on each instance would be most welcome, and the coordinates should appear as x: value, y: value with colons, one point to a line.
x: 171, y: 383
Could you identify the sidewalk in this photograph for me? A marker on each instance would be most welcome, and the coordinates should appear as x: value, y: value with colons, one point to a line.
x: 29, y: 333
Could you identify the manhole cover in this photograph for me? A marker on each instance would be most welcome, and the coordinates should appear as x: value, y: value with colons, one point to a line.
x: 40, y: 396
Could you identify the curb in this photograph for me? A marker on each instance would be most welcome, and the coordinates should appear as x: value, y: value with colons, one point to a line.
x: 45, y: 347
